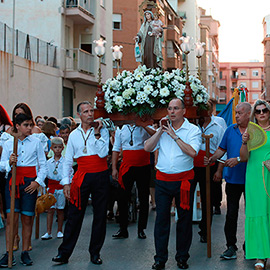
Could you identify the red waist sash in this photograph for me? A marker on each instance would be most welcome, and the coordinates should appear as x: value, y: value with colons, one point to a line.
x: 22, y: 172
x: 199, y: 159
x: 136, y: 158
x: 86, y: 164
x: 185, y: 185
x: 53, y: 185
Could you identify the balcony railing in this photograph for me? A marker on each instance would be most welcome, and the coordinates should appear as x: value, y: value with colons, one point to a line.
x: 79, y: 60
x: 86, y: 6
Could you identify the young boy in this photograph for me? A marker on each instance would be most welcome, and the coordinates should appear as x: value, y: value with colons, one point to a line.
x: 30, y: 156
x: 55, y: 175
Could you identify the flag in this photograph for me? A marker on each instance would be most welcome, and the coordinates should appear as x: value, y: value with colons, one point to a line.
x: 228, y: 113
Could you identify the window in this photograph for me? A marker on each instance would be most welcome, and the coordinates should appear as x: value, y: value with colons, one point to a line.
x: 255, y: 73
x: 220, y: 75
x: 117, y: 21
x: 86, y: 42
x: 244, y: 84
x: 255, y: 84
x: 243, y: 73
x: 255, y: 96
x: 67, y: 40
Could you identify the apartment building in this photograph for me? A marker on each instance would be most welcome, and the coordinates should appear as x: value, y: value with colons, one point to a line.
x: 68, y: 26
x: 127, y: 19
x: 209, y: 28
x: 188, y: 10
x: 234, y: 74
x: 266, y: 42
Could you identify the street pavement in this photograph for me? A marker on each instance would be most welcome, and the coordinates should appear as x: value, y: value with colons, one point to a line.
x: 133, y: 253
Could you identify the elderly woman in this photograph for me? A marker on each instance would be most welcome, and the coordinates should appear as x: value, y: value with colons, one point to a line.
x: 150, y: 44
x: 257, y: 224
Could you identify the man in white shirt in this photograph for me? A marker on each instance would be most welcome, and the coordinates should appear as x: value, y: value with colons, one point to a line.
x: 90, y: 147
x: 208, y: 126
x: 178, y: 143
x: 135, y: 166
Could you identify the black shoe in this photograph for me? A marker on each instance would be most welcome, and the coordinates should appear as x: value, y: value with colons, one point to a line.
x: 96, y: 259
x: 60, y: 259
x: 25, y: 259
x: 121, y: 234
x: 110, y: 216
x: 141, y: 234
x: 217, y: 211
x: 229, y: 254
x: 203, y: 239
x: 158, y: 265
x: 4, y: 261
x: 182, y: 264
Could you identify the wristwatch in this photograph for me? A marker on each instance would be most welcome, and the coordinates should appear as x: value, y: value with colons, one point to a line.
x: 238, y: 159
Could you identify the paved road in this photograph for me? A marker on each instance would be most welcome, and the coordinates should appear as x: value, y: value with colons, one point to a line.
x: 134, y: 253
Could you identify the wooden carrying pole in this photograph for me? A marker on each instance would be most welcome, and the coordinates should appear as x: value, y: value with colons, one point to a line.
x: 12, y: 205
x: 208, y: 194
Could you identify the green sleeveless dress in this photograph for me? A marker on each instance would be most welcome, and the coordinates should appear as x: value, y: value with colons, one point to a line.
x: 257, y: 223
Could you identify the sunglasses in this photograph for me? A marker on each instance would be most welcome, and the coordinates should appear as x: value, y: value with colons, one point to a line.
x: 265, y: 110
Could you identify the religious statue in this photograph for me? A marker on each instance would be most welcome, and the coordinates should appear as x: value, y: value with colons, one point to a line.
x: 149, y: 36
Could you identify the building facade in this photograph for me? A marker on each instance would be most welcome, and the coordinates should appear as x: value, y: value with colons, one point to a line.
x: 209, y: 28
x: 266, y: 42
x: 70, y: 26
x: 248, y: 74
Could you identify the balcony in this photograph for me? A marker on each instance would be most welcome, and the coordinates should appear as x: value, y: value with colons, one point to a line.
x: 81, y: 11
x: 173, y: 33
x: 80, y: 66
x: 234, y: 77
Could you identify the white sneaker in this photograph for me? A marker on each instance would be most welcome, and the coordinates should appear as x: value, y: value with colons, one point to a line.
x: 46, y: 236
x: 60, y: 235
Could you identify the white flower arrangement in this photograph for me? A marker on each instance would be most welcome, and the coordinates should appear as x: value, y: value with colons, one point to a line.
x: 146, y: 90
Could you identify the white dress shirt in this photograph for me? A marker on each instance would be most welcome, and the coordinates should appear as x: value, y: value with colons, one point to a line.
x: 30, y: 153
x: 212, y: 128
x: 76, y: 145
x: 123, y: 137
x: 220, y: 121
x: 171, y: 158
x: 57, y: 166
x: 41, y: 136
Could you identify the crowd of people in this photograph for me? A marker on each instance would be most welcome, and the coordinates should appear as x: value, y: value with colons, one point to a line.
x: 77, y: 161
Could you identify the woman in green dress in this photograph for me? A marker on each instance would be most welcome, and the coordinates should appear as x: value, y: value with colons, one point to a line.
x: 257, y: 223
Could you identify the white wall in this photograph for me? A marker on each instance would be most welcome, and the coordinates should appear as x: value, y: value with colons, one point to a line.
x: 38, y: 85
x: 191, y: 28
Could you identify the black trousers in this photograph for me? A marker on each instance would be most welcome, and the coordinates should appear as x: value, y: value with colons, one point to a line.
x: 164, y: 194
x: 200, y: 177
x: 233, y: 192
x: 98, y: 185
x: 142, y: 177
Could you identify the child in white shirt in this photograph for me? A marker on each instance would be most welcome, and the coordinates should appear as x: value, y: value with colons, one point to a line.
x: 55, y: 175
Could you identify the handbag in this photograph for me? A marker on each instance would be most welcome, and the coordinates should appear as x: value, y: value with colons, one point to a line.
x: 267, y: 165
x: 44, y: 202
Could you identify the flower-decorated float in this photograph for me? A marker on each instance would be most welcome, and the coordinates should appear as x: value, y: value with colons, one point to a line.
x: 146, y: 92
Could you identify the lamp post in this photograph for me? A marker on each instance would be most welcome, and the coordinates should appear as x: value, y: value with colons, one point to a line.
x: 186, y: 48
x: 100, y: 51
x: 199, y: 51
x: 117, y: 55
